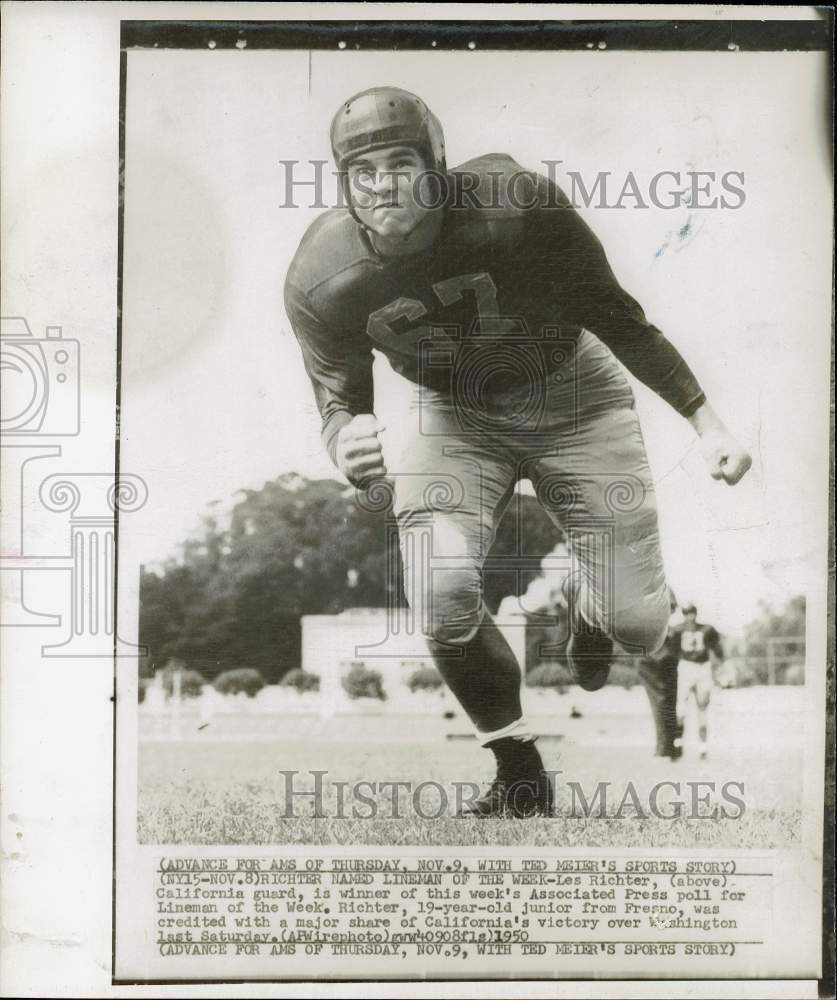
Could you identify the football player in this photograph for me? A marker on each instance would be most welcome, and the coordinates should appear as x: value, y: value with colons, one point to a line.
x: 494, y: 300
x: 700, y: 654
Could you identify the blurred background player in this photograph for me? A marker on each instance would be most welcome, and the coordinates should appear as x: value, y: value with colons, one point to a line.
x: 658, y: 673
x: 700, y: 656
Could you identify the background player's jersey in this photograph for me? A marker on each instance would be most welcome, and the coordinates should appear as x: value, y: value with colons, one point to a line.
x: 697, y: 641
x: 514, y: 264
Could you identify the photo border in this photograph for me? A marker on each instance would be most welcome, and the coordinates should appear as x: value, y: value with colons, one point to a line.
x: 616, y: 35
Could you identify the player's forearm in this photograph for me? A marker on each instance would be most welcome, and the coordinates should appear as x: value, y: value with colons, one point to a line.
x: 657, y: 363
x: 595, y: 298
x: 705, y: 419
x: 340, y: 368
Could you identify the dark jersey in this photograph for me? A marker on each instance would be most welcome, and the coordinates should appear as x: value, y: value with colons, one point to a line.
x: 697, y: 641
x: 513, y: 262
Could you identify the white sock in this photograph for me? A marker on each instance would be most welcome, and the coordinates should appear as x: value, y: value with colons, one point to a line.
x: 519, y: 730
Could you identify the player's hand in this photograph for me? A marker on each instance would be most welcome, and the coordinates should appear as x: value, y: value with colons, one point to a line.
x: 360, y: 456
x: 725, y: 458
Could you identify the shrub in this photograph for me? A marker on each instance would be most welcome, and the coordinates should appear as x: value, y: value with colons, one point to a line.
x: 425, y: 679
x: 794, y: 674
x: 361, y: 682
x: 302, y: 680
x: 245, y: 679
x: 549, y: 675
x: 739, y: 672
x: 623, y: 673
x: 191, y: 682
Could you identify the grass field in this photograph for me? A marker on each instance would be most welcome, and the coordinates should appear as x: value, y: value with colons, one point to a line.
x: 233, y: 793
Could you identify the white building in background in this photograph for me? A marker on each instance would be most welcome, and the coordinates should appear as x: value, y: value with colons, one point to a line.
x: 381, y: 640
x: 386, y: 642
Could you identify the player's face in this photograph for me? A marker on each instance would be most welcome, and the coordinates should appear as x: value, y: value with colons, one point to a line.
x: 385, y: 187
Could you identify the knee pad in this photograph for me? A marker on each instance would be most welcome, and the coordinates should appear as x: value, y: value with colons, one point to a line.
x: 454, y: 613
x: 449, y: 606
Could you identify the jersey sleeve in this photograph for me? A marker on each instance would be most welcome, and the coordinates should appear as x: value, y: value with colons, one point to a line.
x: 593, y: 298
x: 339, y: 367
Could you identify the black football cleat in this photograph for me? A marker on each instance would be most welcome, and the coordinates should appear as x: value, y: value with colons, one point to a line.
x: 589, y: 650
x: 589, y: 653
x: 521, y: 788
x: 677, y: 742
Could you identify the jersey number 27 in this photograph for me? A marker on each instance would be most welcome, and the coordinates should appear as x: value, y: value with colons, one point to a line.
x: 381, y: 324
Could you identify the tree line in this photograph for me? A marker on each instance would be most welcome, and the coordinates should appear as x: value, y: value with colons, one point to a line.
x: 234, y: 595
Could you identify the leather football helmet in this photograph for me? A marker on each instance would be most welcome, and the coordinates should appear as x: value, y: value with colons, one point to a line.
x: 386, y: 116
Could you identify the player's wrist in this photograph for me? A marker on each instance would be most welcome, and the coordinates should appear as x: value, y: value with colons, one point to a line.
x: 706, y: 421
